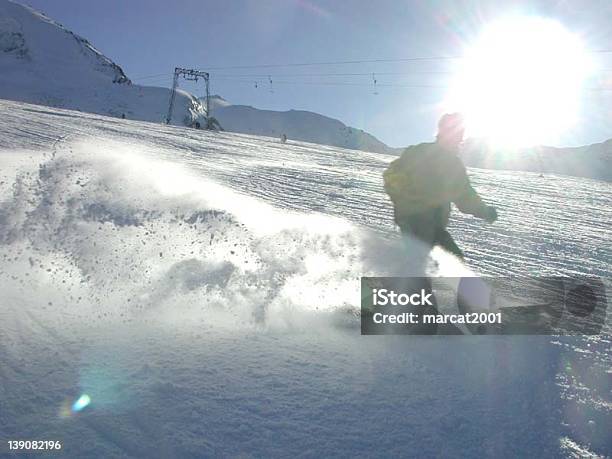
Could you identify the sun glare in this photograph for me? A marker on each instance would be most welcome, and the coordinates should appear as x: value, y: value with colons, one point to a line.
x: 521, y: 82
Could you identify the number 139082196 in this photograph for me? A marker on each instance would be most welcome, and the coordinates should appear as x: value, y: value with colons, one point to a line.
x: 31, y: 445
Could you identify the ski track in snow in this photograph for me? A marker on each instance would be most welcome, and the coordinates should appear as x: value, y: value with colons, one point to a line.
x: 186, y: 310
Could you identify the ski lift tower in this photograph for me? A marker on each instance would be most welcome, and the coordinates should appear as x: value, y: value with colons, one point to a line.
x: 189, y: 75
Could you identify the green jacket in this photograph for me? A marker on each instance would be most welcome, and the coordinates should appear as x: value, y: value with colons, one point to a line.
x: 426, y: 177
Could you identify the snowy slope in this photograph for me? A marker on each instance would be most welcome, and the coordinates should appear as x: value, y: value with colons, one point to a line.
x: 296, y: 124
x: 593, y: 161
x: 42, y: 62
x: 193, y: 285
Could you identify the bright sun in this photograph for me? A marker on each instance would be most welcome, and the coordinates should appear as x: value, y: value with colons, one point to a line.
x: 521, y: 82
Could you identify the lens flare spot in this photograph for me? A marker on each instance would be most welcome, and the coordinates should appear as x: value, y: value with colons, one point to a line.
x: 81, y: 403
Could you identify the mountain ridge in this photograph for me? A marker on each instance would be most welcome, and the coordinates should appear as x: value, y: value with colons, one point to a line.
x: 44, y: 63
x: 301, y: 125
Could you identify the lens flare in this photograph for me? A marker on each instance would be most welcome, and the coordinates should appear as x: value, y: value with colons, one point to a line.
x: 82, y: 402
x: 521, y: 82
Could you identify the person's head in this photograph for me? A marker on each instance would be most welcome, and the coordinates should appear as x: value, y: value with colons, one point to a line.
x: 450, y: 130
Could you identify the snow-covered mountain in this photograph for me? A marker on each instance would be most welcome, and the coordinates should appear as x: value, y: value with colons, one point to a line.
x: 592, y: 161
x: 296, y: 124
x: 42, y: 62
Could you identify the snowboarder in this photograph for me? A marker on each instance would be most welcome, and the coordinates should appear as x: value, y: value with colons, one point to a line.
x: 283, y: 138
x: 424, y: 181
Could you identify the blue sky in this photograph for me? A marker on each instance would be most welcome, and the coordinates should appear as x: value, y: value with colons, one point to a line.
x: 151, y: 37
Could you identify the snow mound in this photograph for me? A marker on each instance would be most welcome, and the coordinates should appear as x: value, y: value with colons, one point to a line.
x: 42, y: 62
x: 107, y: 231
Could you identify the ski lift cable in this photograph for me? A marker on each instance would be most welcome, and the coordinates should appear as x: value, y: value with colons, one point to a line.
x: 257, y: 83
x: 342, y: 62
x: 295, y: 75
x: 168, y: 76
x: 331, y: 83
x: 368, y: 74
x: 341, y: 83
x: 361, y: 61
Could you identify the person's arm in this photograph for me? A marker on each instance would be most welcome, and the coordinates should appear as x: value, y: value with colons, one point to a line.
x: 466, y: 198
x: 469, y: 202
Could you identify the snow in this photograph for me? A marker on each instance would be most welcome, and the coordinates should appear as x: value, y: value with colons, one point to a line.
x: 195, y: 286
x: 41, y: 62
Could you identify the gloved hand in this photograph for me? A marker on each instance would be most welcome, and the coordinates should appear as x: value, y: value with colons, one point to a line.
x: 491, y: 214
